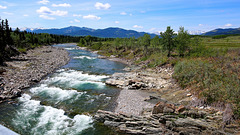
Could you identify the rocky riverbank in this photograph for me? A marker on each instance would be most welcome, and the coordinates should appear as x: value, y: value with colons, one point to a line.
x: 151, y: 102
x: 27, y: 69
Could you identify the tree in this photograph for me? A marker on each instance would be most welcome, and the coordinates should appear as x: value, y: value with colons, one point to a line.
x: 82, y: 42
x: 117, y: 42
x: 168, y: 42
x: 183, y: 41
x: 9, y: 40
x: 155, y: 41
x: 146, y: 42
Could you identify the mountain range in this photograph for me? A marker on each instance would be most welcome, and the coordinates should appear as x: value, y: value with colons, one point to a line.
x: 114, y: 32
x: 222, y: 32
x: 110, y: 32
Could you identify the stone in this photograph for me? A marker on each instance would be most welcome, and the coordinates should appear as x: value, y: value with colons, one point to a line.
x: 180, y: 109
x: 158, y: 108
x: 190, y: 122
x: 111, y: 123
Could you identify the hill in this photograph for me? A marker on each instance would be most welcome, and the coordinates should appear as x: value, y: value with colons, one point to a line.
x: 220, y: 31
x: 83, y: 31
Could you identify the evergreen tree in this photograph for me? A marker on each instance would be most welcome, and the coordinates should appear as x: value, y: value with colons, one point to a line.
x: 183, y: 41
x: 9, y: 40
x: 146, y: 42
x: 168, y: 42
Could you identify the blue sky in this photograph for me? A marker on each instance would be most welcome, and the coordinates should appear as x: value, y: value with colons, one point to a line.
x: 141, y: 15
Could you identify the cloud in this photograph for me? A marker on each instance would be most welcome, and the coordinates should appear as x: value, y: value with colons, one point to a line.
x: 200, y: 25
x: 92, y: 17
x: 228, y: 25
x: 61, y: 5
x: 2, y: 7
x: 8, y: 13
x: 123, y: 13
x: 76, y: 20
x: 47, y: 17
x: 99, y: 5
x: 45, y: 2
x: 46, y: 11
x: 77, y: 15
x: 117, y: 22
x: 71, y: 21
x: 137, y: 26
x: 25, y: 15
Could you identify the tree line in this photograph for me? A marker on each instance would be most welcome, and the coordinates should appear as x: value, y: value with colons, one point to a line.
x: 168, y: 42
x: 13, y: 42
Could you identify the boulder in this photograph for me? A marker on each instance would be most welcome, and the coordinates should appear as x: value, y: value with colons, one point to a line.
x: 162, y: 107
x: 158, y: 108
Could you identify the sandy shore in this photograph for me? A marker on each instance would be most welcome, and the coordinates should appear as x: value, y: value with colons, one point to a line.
x: 27, y: 69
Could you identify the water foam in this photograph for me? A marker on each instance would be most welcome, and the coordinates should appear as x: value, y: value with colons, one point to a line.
x: 56, y: 93
x: 73, y: 78
x: 70, y: 48
x: 48, y: 120
x: 84, y: 57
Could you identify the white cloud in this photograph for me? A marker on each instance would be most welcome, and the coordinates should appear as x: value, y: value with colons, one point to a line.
x: 92, y: 17
x: 77, y: 15
x: 2, y: 7
x: 123, y: 13
x: 137, y: 26
x: 228, y: 25
x: 71, y: 21
x: 46, y: 11
x: 43, y: 2
x: 47, y: 17
x: 117, y: 22
x: 8, y: 13
x: 99, y: 5
x: 200, y: 25
x: 61, y: 5
x: 25, y: 15
x: 76, y: 20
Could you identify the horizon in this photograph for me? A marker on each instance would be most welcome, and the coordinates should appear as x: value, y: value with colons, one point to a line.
x: 143, y: 16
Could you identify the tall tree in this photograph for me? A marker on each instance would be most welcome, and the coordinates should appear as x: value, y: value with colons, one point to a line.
x: 168, y: 41
x: 183, y: 41
x: 146, y: 43
x: 9, y: 40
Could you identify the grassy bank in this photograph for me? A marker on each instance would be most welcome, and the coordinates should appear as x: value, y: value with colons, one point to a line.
x: 209, y: 67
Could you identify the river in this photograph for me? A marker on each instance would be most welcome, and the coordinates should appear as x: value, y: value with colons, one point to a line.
x: 64, y: 102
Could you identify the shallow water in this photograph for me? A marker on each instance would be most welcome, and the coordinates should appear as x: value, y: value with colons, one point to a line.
x: 64, y: 102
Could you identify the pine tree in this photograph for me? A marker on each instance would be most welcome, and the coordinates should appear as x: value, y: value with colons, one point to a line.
x: 9, y: 40
x: 168, y: 42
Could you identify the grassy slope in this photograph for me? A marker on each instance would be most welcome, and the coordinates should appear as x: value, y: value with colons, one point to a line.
x: 211, y: 71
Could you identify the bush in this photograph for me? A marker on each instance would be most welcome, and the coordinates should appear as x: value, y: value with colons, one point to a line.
x: 209, y: 81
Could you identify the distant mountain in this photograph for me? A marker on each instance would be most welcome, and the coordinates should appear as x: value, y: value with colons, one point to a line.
x: 83, y: 31
x: 223, y: 32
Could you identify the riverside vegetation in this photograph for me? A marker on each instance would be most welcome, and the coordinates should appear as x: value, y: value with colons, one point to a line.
x: 207, y: 66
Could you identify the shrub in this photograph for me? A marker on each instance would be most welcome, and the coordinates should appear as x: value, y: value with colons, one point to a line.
x: 209, y: 81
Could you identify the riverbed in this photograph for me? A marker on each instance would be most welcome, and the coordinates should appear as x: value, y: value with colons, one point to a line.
x: 65, y: 101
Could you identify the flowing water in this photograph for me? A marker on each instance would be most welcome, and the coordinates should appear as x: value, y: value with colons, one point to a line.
x: 64, y: 102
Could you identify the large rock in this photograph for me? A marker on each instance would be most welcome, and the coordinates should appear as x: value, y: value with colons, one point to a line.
x: 162, y: 107
x: 190, y: 122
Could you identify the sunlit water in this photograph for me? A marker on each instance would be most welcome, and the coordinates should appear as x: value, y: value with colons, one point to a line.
x: 64, y: 102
